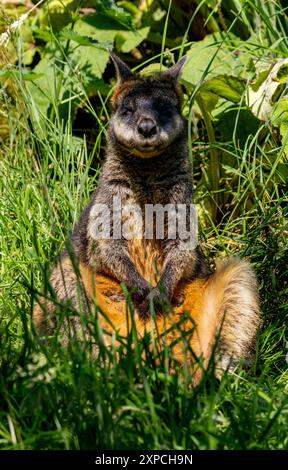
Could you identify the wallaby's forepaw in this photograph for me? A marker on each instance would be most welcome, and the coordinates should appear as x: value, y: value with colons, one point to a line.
x: 140, y: 293
x: 154, y: 303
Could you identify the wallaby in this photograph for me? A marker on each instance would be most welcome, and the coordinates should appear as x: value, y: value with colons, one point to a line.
x: 147, y: 165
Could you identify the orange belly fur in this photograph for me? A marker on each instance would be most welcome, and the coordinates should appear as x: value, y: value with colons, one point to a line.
x: 199, y: 327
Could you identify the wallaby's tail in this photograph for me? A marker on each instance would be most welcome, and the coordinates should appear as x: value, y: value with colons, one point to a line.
x: 236, y: 291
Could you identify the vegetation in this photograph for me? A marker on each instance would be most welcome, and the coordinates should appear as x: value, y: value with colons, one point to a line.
x: 55, y: 82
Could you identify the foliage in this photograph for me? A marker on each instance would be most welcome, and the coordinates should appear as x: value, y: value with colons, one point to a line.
x: 55, y: 83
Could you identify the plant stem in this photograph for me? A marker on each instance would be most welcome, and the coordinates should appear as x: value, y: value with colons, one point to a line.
x: 214, y: 169
x: 165, y: 34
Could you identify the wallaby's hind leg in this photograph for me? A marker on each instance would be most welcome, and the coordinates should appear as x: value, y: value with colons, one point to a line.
x: 235, y: 287
x: 68, y: 289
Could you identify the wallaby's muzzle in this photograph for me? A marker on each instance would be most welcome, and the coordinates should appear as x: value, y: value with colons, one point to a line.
x: 147, y: 127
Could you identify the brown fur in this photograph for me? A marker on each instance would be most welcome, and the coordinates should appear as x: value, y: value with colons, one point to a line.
x: 147, y: 259
x: 147, y: 163
x: 225, y: 305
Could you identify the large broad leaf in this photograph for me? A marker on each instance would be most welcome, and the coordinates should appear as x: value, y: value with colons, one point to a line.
x: 152, y: 69
x: 279, y: 118
x: 89, y: 61
x: 89, y: 58
x: 107, y: 30
x: 225, y: 86
x: 64, y: 87
x: 56, y: 14
x: 282, y: 73
x: 265, y: 91
x: 118, y: 14
x: 264, y: 96
x: 125, y: 41
x: 43, y: 88
x: 213, y: 57
x: 23, y: 75
x: 236, y: 124
x: 68, y: 33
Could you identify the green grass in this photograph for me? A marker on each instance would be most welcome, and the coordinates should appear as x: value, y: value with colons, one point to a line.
x: 57, y: 398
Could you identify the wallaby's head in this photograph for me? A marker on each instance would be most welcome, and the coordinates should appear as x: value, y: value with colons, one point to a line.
x: 146, y: 115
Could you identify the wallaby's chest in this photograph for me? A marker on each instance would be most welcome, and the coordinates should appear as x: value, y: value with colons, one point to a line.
x: 151, y: 190
x: 142, y: 212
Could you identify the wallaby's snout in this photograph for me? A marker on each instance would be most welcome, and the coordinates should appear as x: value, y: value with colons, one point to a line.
x: 147, y: 127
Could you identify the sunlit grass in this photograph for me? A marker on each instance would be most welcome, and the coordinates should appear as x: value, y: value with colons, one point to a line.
x: 66, y: 398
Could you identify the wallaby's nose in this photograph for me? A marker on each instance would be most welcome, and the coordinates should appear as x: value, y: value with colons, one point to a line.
x: 147, y: 127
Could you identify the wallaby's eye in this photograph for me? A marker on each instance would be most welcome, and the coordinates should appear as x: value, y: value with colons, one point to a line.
x: 127, y: 110
x: 163, y: 107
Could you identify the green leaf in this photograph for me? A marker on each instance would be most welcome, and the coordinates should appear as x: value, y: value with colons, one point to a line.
x: 68, y: 33
x: 261, y: 101
x: 279, y: 118
x: 262, y: 76
x: 98, y: 27
x: 63, y: 87
x: 24, y: 75
x: 282, y: 74
x: 132, y: 9
x: 209, y: 100
x: 236, y: 124
x: 206, y: 59
x: 43, y: 90
x: 279, y: 114
x: 118, y: 14
x: 225, y: 86
x: 43, y: 34
x: 106, y: 30
x: 89, y: 60
x: 57, y: 13
x: 152, y: 69
x: 128, y: 40
x: 28, y: 55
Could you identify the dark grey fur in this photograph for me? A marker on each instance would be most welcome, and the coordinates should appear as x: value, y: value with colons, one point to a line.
x: 161, y: 174
x: 147, y: 163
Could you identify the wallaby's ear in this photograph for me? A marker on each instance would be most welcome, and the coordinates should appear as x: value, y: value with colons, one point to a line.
x: 174, y: 72
x: 123, y: 72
